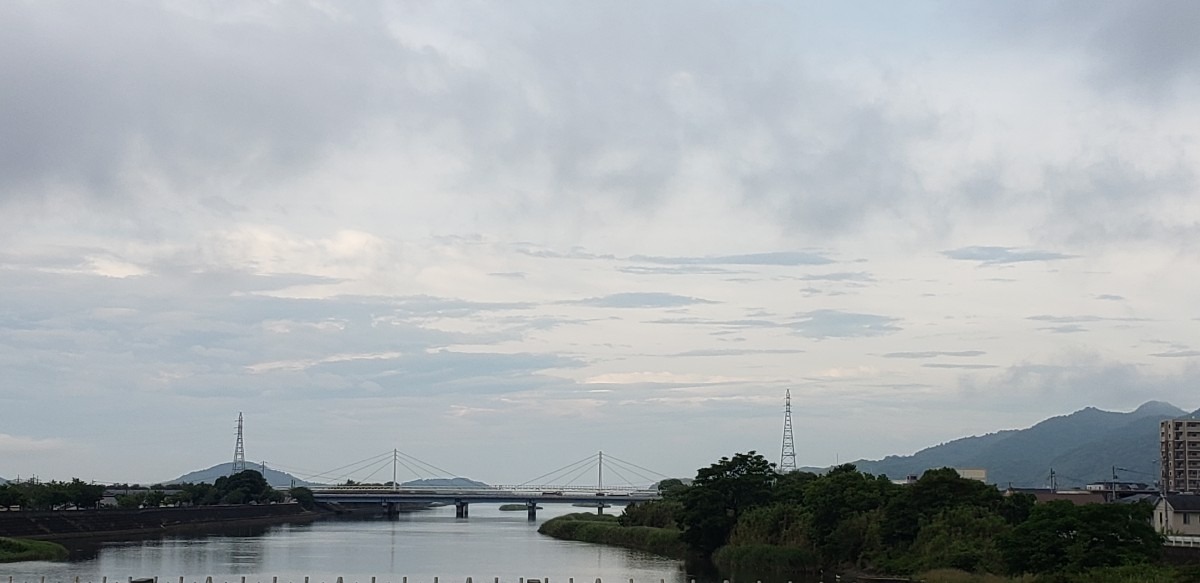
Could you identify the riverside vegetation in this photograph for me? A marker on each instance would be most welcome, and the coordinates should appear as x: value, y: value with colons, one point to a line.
x: 13, y: 550
x: 752, y: 522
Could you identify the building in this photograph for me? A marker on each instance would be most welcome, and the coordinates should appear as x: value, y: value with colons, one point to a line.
x: 1179, y: 446
x: 1178, y: 514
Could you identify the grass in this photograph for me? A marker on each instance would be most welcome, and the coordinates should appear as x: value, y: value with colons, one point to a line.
x: 13, y: 550
x: 603, y: 529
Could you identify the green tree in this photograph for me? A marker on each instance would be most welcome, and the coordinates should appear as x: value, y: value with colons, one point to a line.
x: 936, y: 490
x: 304, y: 497
x: 654, y: 513
x: 10, y: 496
x: 1060, y: 536
x: 789, y: 487
x: 720, y: 494
x: 836, y: 503
x: 84, y: 495
x: 960, y: 537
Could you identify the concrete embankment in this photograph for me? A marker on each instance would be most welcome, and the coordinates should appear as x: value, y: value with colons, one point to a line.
x: 115, y: 523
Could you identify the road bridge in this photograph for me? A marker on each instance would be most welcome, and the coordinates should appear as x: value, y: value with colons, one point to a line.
x: 390, y: 498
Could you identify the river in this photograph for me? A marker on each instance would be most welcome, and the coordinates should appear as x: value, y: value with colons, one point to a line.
x: 419, y: 545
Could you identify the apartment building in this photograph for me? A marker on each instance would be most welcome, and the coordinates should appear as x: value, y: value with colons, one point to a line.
x: 1179, y: 444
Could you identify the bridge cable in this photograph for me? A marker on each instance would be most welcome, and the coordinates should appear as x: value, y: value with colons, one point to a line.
x: 610, y: 456
x: 569, y: 466
x: 580, y: 473
x: 622, y: 476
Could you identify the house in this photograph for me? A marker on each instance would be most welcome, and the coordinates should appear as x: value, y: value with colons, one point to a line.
x: 1178, y: 514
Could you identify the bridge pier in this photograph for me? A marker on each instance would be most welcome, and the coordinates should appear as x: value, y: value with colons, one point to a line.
x: 531, y: 508
x: 461, y: 509
x: 393, y: 510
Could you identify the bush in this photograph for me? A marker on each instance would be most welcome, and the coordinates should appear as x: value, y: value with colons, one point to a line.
x: 759, y: 560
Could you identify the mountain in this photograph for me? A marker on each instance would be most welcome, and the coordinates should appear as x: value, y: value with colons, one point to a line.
x: 445, y: 483
x: 1082, y: 447
x: 275, y: 478
x: 3, y: 481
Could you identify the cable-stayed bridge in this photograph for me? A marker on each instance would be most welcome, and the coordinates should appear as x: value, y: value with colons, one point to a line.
x: 561, y: 486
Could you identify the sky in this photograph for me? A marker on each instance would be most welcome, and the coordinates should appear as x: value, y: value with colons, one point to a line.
x: 503, y: 236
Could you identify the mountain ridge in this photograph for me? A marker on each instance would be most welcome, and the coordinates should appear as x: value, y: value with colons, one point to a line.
x: 1081, y: 447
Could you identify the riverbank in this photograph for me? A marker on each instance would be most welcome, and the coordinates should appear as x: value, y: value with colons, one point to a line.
x: 603, y: 529
x: 13, y: 550
x: 113, y: 524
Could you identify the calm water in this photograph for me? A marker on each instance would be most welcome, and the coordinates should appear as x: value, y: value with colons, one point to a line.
x: 420, y: 546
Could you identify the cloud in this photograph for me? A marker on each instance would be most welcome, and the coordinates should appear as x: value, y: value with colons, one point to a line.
x: 1177, y: 354
x: 839, y: 324
x: 962, y: 366
x: 1065, y: 329
x: 1003, y: 255
x: 1110, y: 297
x: 778, y: 258
x: 935, y: 354
x: 1082, y: 319
x: 736, y: 352
x: 17, y: 444
x: 857, y: 276
x: 641, y: 300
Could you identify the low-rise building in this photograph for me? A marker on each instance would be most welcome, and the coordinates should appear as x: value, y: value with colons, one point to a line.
x: 1178, y: 514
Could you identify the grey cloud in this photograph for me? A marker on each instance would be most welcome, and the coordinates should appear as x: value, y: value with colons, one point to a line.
x: 961, y: 366
x: 780, y: 258
x: 736, y: 352
x: 1064, y: 329
x: 857, y: 276
x: 838, y: 324
x: 935, y: 354
x: 509, y: 274
x: 1111, y: 297
x: 1079, y: 380
x: 1177, y: 354
x: 1081, y: 319
x: 674, y: 270
x: 1002, y: 255
x: 641, y: 300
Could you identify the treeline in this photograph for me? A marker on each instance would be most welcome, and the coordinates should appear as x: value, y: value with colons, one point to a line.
x: 50, y: 495
x: 244, y: 487
x: 749, y: 519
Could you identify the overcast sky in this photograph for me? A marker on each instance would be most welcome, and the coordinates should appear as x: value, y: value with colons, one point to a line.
x: 502, y: 236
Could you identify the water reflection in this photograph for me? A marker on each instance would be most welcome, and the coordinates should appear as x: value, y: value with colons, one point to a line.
x: 421, y: 545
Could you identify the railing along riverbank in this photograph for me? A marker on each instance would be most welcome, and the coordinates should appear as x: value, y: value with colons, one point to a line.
x: 209, y: 579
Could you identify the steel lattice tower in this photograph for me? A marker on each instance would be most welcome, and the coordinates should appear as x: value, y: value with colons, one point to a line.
x: 787, y: 459
x: 239, y: 450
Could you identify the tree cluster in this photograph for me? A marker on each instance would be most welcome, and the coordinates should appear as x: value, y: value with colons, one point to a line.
x: 247, y: 487
x: 740, y: 509
x: 50, y: 495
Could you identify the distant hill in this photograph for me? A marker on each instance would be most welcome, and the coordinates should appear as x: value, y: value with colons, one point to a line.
x: 3, y: 481
x: 279, y: 479
x: 1081, y: 447
x: 445, y: 483
x: 275, y: 478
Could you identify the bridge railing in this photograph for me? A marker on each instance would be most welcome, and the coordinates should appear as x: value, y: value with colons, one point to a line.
x: 517, y: 489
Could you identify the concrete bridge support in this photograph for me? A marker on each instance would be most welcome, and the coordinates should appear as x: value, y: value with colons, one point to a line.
x: 461, y: 509
x: 392, y: 509
x: 531, y: 508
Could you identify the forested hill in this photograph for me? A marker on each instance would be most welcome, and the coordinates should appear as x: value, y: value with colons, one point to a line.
x: 275, y: 478
x: 1081, y: 447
